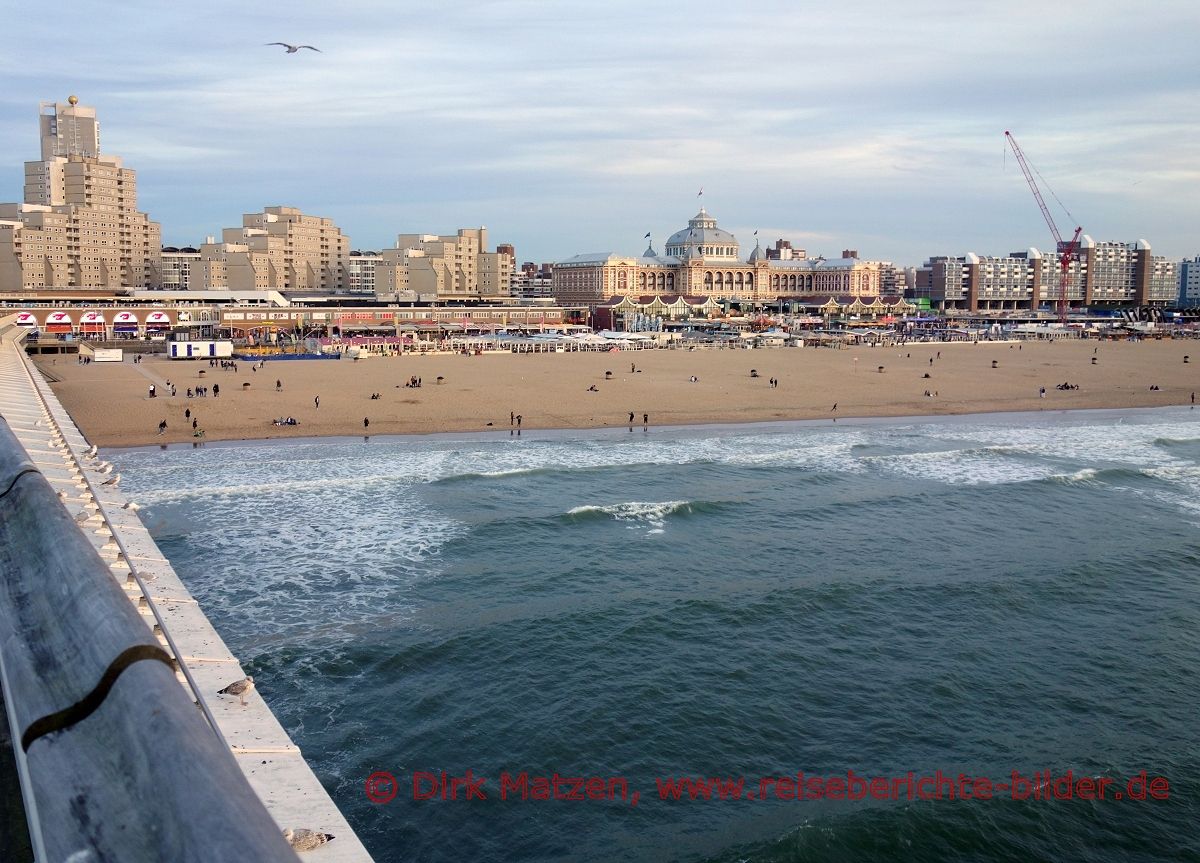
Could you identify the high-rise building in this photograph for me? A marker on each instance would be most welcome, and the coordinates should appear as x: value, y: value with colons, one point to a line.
x: 79, y: 226
x: 1189, y: 282
x: 360, y: 272
x: 278, y: 249
x: 177, y: 265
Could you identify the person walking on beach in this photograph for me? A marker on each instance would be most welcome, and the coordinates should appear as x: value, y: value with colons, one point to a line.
x: 1193, y: 401
x: 512, y: 418
x: 518, y: 420
x: 366, y: 422
x: 316, y: 403
x: 1042, y: 393
x: 187, y: 414
x: 194, y: 424
x: 278, y: 386
x: 162, y: 427
x: 645, y: 420
x: 631, y: 417
x: 216, y: 391
x: 832, y: 409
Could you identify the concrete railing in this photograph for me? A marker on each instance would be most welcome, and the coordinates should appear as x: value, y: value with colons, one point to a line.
x: 116, y: 762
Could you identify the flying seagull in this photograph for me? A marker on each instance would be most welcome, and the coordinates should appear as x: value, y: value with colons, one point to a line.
x: 240, y: 688
x: 292, y: 49
x: 303, y: 839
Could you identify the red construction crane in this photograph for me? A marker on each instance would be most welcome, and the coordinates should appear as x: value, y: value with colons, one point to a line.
x: 1066, y: 251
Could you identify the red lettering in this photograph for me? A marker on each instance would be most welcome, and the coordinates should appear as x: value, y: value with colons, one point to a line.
x: 1063, y: 786
x: 596, y: 789
x: 857, y: 787
x: 1138, y: 782
x: 1160, y: 789
x: 1020, y: 787
x: 420, y: 777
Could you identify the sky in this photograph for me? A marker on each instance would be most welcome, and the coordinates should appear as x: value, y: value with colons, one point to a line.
x: 568, y: 127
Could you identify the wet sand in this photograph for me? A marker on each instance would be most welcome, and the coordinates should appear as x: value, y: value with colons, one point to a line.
x: 111, y: 405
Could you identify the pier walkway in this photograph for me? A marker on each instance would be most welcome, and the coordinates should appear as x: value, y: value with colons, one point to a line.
x: 270, y: 762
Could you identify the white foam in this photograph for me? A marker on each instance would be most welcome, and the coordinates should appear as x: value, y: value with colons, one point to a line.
x: 640, y: 513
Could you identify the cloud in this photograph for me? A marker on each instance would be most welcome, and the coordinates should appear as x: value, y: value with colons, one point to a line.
x: 569, y: 126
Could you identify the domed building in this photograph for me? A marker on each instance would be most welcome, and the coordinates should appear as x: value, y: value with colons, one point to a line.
x: 703, y: 239
x: 703, y: 263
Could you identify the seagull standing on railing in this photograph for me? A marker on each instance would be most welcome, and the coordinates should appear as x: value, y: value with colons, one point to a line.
x: 292, y: 49
x: 240, y: 688
x: 303, y: 839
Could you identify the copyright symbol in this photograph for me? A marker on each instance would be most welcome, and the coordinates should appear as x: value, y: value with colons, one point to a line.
x: 381, y: 787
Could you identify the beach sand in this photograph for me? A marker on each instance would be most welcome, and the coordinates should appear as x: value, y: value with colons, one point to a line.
x: 110, y: 402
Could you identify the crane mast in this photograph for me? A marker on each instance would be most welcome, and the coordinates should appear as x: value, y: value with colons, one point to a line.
x: 1066, y: 251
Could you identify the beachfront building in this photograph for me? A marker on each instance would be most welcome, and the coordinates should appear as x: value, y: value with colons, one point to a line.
x: 1189, y: 282
x: 533, y: 283
x: 1102, y: 275
x: 277, y: 249
x: 702, y: 260
x: 79, y: 225
x: 360, y: 272
x: 445, y: 267
x: 177, y: 264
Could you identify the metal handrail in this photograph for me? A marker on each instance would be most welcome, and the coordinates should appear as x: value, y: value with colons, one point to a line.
x: 191, y: 681
x: 109, y: 748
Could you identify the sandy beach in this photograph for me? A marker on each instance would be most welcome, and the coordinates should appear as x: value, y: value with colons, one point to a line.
x: 110, y: 402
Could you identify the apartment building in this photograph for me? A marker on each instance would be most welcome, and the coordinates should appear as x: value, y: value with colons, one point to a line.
x: 1101, y: 275
x: 450, y: 267
x: 280, y: 249
x: 360, y: 272
x: 1189, y: 282
x: 177, y: 266
x: 78, y: 225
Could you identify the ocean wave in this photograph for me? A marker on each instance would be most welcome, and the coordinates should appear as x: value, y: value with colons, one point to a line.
x: 997, y: 464
x: 640, y: 513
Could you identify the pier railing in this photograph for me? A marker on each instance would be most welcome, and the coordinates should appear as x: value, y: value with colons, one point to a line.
x: 115, y: 760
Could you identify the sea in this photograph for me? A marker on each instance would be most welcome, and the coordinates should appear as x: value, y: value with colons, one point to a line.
x: 861, y: 622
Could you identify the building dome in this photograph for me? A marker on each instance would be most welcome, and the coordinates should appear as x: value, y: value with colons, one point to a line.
x: 703, y: 239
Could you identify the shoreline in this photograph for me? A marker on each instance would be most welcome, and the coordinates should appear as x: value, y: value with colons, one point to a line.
x: 732, y: 427
x: 593, y: 392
